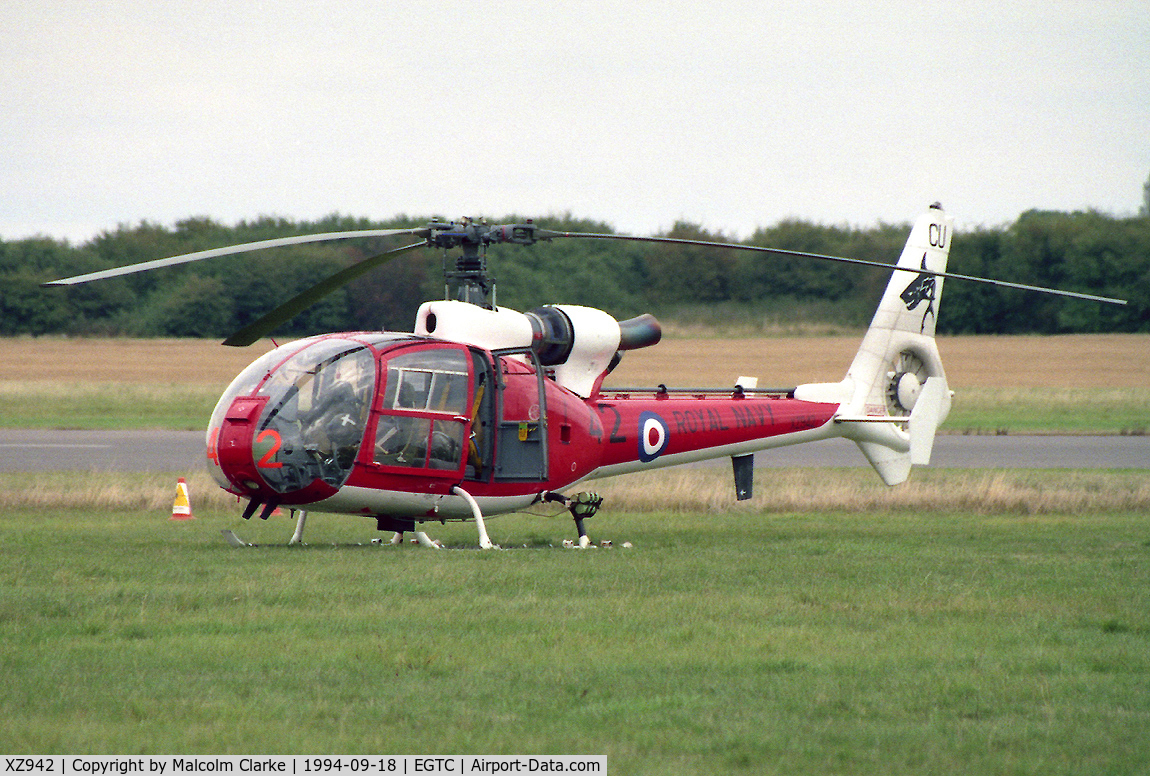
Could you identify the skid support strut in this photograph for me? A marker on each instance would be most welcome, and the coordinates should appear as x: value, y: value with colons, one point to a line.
x: 581, y: 505
x: 484, y: 539
x: 297, y: 537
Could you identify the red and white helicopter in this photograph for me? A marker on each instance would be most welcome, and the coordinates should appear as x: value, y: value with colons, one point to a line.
x: 483, y: 410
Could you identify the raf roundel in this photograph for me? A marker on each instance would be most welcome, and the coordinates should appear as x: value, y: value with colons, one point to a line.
x: 653, y: 436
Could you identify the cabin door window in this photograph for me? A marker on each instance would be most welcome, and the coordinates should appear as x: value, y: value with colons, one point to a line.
x: 423, y: 421
x: 521, y: 444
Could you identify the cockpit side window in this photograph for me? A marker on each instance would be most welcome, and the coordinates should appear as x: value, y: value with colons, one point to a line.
x: 426, y: 382
x: 431, y: 380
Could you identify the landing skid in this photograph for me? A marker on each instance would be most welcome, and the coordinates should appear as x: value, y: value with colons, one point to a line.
x: 484, y: 540
x: 582, y: 505
x: 235, y: 541
x: 423, y: 539
x: 397, y: 539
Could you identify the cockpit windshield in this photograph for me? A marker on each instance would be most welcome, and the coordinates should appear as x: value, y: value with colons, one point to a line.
x: 314, y: 420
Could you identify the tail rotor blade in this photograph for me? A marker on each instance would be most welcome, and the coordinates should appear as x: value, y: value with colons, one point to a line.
x: 265, y: 325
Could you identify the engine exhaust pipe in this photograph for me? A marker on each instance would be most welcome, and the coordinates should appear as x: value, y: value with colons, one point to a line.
x: 639, y: 332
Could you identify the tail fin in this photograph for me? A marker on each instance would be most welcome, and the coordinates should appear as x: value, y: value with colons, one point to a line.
x: 895, y: 393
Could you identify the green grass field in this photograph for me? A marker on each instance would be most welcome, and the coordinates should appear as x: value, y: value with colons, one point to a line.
x: 1050, y: 410
x: 966, y: 622
x: 899, y: 640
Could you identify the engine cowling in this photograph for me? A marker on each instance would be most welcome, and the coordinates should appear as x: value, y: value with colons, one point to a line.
x: 576, y: 342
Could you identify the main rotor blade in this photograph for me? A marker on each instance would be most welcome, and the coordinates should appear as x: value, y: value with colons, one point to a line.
x: 231, y: 250
x: 301, y: 301
x: 803, y: 254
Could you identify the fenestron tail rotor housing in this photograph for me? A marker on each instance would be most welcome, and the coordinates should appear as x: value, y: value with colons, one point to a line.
x: 904, y: 382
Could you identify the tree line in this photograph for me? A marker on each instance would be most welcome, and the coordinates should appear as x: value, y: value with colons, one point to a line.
x: 1080, y: 251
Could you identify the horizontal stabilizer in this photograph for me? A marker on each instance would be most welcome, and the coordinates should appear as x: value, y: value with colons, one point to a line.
x: 871, y: 419
x: 892, y: 451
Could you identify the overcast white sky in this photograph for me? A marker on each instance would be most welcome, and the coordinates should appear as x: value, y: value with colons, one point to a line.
x: 639, y: 113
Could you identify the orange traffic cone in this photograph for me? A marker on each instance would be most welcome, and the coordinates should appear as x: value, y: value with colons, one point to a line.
x: 182, y: 507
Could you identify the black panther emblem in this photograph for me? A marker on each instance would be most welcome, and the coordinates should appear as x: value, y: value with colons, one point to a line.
x: 921, y: 289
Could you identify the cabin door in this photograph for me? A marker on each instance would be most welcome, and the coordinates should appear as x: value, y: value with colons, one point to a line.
x: 521, y: 412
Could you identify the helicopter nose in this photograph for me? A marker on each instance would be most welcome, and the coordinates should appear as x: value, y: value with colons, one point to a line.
x: 253, y: 460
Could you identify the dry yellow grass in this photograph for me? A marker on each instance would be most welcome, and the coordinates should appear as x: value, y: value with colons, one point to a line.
x: 1019, y: 384
x: 103, y: 360
x: 106, y: 490
x: 1071, y: 361
x: 858, y: 490
x: 707, y: 490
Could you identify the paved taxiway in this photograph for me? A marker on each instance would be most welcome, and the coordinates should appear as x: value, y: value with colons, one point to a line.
x: 183, y: 451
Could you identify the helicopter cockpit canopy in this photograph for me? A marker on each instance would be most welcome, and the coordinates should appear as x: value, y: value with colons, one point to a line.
x: 307, y: 406
x: 317, y: 408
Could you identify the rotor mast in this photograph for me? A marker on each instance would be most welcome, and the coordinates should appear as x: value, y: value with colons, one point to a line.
x: 469, y: 281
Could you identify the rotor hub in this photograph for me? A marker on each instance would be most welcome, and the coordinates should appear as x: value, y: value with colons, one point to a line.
x: 907, y: 389
x: 470, y: 281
